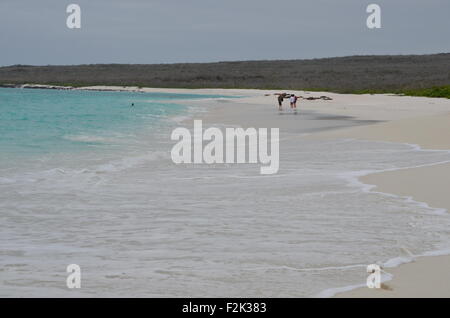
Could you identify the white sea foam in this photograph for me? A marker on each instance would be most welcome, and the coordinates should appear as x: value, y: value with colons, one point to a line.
x: 353, y: 180
x: 215, y: 230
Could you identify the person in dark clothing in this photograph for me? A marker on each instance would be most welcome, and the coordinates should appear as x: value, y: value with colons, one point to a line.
x: 280, y: 100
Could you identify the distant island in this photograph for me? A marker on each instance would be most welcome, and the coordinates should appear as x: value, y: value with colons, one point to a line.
x: 416, y: 75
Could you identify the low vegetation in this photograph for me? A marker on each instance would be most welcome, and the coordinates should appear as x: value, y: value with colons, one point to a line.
x: 417, y: 75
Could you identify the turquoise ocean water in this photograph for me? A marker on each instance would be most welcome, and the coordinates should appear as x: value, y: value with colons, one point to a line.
x: 36, y: 123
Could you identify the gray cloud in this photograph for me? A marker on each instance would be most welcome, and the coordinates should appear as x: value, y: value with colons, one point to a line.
x: 165, y: 31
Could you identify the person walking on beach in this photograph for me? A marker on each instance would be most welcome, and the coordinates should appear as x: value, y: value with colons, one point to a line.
x: 280, y: 100
x: 293, y: 100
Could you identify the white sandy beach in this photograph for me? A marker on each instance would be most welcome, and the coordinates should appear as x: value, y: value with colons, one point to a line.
x: 421, y: 121
x: 427, y: 276
x: 414, y: 120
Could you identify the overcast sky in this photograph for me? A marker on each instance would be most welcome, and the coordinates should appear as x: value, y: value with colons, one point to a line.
x: 166, y: 31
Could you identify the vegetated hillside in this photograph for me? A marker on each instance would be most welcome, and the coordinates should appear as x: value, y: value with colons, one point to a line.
x: 342, y: 74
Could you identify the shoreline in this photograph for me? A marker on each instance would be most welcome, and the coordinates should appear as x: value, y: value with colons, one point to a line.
x: 419, y: 122
x: 132, y: 89
x: 139, y: 89
x: 425, y: 275
x: 410, y: 123
x: 398, y: 119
